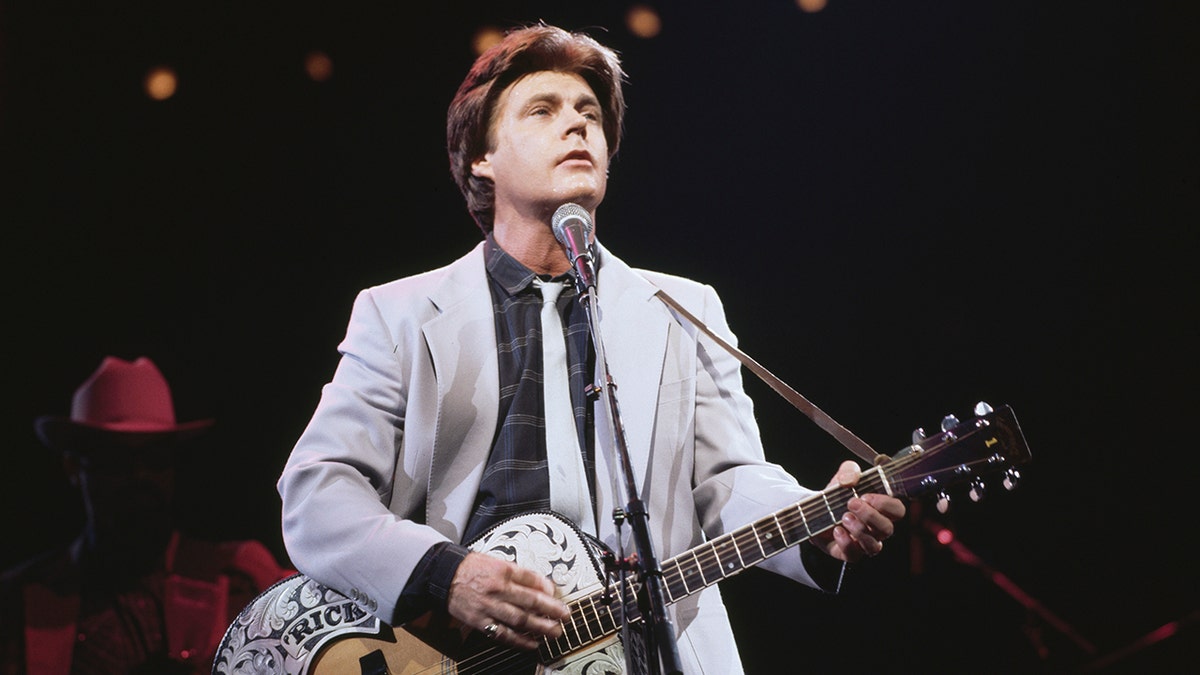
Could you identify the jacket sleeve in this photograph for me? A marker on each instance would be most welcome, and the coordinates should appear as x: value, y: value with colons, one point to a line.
x: 341, y: 522
x: 734, y: 484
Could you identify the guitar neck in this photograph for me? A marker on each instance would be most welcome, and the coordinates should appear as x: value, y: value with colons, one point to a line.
x: 962, y: 452
x: 751, y: 544
x: 599, y: 614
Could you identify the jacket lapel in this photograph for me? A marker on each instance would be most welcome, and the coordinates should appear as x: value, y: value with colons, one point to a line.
x: 462, y: 347
x: 634, y: 329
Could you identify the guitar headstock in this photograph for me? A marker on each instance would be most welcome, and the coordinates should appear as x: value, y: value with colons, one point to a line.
x: 961, y: 453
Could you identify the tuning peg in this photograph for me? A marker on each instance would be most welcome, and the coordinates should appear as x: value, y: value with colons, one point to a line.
x: 943, y: 502
x: 949, y: 422
x: 982, y: 409
x: 978, y: 490
x: 1012, y: 478
x: 918, y: 435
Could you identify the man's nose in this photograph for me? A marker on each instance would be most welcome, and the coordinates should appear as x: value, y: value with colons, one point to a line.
x: 577, y: 123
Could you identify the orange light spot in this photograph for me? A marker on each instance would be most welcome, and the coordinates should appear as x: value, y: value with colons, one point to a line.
x: 486, y: 37
x: 319, y: 66
x: 160, y: 83
x: 643, y: 21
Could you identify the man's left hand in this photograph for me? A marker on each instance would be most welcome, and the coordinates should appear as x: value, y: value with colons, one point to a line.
x: 870, y: 519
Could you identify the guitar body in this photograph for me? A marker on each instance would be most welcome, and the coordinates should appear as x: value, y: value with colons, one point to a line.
x: 299, y: 626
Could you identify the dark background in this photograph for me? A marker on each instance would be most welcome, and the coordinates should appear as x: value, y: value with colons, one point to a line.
x: 944, y: 201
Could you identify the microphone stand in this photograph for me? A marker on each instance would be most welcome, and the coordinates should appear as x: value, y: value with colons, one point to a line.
x: 659, y: 633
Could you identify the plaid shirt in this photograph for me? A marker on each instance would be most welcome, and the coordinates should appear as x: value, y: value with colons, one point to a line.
x: 516, y: 479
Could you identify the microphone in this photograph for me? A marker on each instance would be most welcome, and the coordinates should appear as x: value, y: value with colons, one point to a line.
x: 572, y: 226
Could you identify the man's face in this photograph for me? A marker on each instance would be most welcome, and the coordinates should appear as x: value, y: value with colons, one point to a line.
x: 128, y: 494
x: 546, y: 146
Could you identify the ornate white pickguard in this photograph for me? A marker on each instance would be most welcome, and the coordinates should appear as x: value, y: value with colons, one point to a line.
x: 281, y: 630
x: 553, y: 547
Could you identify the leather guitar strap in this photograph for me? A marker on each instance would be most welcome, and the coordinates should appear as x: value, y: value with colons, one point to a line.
x: 842, y: 434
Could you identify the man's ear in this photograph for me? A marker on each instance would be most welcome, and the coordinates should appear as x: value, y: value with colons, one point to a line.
x: 482, y: 168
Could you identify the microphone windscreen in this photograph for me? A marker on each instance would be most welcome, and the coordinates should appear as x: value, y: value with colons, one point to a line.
x: 564, y: 215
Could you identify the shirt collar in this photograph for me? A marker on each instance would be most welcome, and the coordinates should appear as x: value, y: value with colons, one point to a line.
x: 504, y: 269
x: 510, y: 274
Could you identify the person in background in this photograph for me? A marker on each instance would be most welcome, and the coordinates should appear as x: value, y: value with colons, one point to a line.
x: 131, y: 593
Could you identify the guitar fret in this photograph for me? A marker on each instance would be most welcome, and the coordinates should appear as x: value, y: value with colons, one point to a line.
x: 591, y: 621
x: 613, y: 619
x: 740, y: 537
x: 773, y: 541
x: 575, y: 639
x: 804, y: 518
x: 567, y: 635
x: 599, y: 628
x: 883, y: 482
x: 687, y: 589
x: 552, y: 649
x: 673, y: 580
x: 699, y: 569
x: 595, y: 624
x: 627, y: 609
x: 723, y: 564
x: 823, y: 517
x: 710, y: 564
x: 610, y: 620
x: 782, y: 530
x: 737, y: 547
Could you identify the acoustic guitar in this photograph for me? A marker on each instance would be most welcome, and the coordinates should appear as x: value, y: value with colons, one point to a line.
x: 299, y: 626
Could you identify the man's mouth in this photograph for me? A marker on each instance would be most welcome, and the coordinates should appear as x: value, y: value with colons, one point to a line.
x: 577, y: 155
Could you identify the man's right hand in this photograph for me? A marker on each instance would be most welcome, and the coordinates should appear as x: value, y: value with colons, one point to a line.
x: 489, y: 592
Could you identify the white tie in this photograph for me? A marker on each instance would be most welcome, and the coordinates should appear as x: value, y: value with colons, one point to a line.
x: 569, y: 493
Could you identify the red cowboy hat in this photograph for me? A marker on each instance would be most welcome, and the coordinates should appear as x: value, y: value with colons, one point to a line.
x: 122, y: 403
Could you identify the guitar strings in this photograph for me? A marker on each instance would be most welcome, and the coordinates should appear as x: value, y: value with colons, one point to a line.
x: 497, y: 659
x: 490, y: 660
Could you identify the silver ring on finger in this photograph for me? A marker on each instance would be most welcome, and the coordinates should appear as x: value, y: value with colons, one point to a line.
x: 491, y: 630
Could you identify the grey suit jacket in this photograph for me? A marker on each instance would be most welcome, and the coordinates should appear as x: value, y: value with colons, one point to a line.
x: 391, y: 460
